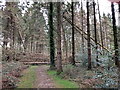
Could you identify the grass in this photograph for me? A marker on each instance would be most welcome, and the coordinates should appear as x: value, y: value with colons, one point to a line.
x: 61, y: 83
x: 28, y: 79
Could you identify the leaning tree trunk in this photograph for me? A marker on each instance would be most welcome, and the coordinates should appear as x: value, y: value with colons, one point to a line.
x: 88, y: 38
x: 115, y: 35
x: 59, y: 52
x: 51, y: 35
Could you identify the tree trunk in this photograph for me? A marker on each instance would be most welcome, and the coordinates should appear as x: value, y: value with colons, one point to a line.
x: 119, y: 45
x: 82, y: 27
x: 59, y: 52
x: 31, y: 48
x: 95, y: 32
x: 51, y: 35
x: 101, y: 32
x: 88, y: 38
x: 73, y: 41
x: 115, y: 35
x: 65, y: 46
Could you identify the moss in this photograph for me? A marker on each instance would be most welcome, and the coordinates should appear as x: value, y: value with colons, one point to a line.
x: 28, y: 79
x: 61, y: 83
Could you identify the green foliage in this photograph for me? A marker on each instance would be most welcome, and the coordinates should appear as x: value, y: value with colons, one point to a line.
x: 106, y: 72
x: 108, y: 77
x: 61, y: 83
x: 27, y: 81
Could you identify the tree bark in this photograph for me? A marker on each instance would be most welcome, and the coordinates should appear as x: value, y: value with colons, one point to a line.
x: 82, y: 27
x: 73, y: 41
x: 51, y: 35
x: 119, y: 44
x: 88, y: 38
x: 59, y: 52
x: 65, y: 46
x: 115, y: 35
x: 95, y: 32
x: 101, y: 32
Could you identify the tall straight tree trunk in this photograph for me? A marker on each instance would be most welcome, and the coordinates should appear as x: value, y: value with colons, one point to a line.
x: 59, y: 52
x: 82, y: 27
x: 119, y: 28
x: 101, y: 32
x: 51, y: 35
x: 65, y: 43
x: 73, y: 41
x: 115, y: 35
x: 88, y: 37
x: 95, y: 31
x: 119, y: 44
x: 31, y: 48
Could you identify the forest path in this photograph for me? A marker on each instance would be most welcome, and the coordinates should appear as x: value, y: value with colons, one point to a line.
x: 43, y: 80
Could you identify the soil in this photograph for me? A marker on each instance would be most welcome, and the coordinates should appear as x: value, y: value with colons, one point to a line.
x: 43, y: 79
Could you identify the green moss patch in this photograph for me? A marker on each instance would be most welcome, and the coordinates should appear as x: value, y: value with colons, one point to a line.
x: 28, y: 79
x: 62, y: 83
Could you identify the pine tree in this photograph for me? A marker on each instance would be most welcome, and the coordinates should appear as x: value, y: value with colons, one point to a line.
x: 115, y: 35
x: 59, y: 52
x: 51, y: 35
x: 95, y: 32
x: 73, y: 41
x: 88, y: 38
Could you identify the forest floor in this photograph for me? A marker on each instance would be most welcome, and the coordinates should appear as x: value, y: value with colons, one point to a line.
x: 36, y: 77
x: 39, y: 76
x: 43, y: 79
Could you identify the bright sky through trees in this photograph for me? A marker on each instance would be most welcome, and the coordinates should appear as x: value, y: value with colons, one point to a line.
x: 105, y: 5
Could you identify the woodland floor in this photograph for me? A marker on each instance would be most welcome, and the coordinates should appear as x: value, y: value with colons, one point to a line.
x: 37, y: 76
x: 43, y: 79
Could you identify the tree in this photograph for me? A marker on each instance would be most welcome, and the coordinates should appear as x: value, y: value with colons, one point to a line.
x: 51, y: 35
x: 10, y: 29
x: 73, y: 41
x: 101, y: 32
x: 119, y: 25
x: 115, y: 35
x: 59, y: 52
x: 119, y: 43
x: 88, y: 38
x: 82, y: 26
x: 95, y: 32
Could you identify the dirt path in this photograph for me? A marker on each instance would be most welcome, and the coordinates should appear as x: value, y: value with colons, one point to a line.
x: 43, y: 80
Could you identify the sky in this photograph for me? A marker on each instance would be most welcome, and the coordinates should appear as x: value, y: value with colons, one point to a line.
x: 105, y: 5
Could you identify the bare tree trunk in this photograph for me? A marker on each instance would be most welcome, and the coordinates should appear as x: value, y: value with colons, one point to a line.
x: 51, y: 35
x: 115, y: 35
x: 101, y: 32
x: 119, y: 45
x: 59, y: 52
x: 31, y: 44
x: 73, y: 41
x: 65, y: 43
x: 88, y: 38
x: 82, y: 27
x: 95, y: 31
